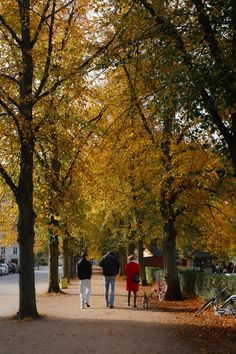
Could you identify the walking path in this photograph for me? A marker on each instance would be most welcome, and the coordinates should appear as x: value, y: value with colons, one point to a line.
x: 67, y: 329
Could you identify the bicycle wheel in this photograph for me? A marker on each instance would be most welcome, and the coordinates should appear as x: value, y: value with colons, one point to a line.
x: 205, y: 306
x: 162, y: 292
x: 162, y: 295
x: 230, y: 301
x: 228, y: 307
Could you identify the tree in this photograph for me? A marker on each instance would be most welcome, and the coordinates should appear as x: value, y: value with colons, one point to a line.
x: 165, y: 63
x: 60, y: 155
x: 202, y: 35
x: 36, y: 59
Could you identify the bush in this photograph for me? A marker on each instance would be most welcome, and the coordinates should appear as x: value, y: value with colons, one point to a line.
x: 187, y: 279
x: 205, y: 285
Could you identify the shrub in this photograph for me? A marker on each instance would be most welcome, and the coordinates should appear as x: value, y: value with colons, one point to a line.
x: 205, y: 285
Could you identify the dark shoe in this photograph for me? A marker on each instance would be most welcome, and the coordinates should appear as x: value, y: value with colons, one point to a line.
x: 111, y: 306
x: 87, y: 304
x: 128, y: 304
x: 107, y: 305
x: 135, y: 305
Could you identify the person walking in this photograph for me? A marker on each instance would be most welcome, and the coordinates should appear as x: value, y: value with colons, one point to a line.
x: 110, y: 265
x: 84, y: 272
x: 132, y: 272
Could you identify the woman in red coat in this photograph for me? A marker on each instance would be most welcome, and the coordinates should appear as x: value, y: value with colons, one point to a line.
x: 131, y: 269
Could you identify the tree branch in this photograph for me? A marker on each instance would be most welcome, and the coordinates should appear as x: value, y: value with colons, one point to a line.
x: 208, y: 101
x: 89, y: 60
x: 10, y: 30
x: 70, y: 169
x: 11, y: 114
x: 208, y: 31
x: 41, y: 22
x: 8, y: 180
x: 61, y: 8
x: 11, y: 78
x: 138, y: 106
x: 63, y: 43
x: 42, y: 159
x: 48, y: 59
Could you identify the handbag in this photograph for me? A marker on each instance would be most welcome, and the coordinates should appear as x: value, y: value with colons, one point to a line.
x: 135, y: 278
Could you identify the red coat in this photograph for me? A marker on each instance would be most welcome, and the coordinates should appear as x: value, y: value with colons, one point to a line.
x: 130, y: 269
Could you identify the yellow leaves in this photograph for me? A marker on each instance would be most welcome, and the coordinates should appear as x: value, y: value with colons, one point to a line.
x: 8, y: 220
x: 219, y: 228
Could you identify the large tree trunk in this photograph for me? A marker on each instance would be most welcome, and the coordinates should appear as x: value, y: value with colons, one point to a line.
x: 24, y: 196
x: 169, y: 241
x: 171, y: 271
x: 27, y: 301
x: 168, y: 197
x: 53, y: 265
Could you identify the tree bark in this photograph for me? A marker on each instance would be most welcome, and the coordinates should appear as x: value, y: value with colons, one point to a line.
x: 131, y: 247
x: 168, y: 197
x: 27, y: 300
x: 53, y: 264
x: 24, y: 196
x: 171, y: 271
x: 66, y: 259
x: 123, y: 260
x: 73, y: 263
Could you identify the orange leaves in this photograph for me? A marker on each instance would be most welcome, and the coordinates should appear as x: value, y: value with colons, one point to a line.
x: 210, y: 330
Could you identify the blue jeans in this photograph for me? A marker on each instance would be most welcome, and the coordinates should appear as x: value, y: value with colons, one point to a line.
x: 109, y: 282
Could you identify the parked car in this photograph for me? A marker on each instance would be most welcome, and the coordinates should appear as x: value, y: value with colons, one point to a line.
x: 5, y: 269
x: 1, y: 270
x: 13, y: 267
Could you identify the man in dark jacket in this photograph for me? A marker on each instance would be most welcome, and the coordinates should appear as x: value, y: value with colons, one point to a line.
x: 84, y: 272
x: 110, y: 265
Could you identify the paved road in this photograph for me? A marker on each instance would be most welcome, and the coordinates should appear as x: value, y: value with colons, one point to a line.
x: 66, y: 328
x: 9, y: 290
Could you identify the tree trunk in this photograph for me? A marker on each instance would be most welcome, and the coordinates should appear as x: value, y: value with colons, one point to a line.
x: 27, y: 300
x: 167, y: 201
x: 24, y: 195
x: 123, y: 260
x: 73, y: 263
x: 66, y: 259
x: 53, y: 264
x: 171, y: 271
x: 233, y: 153
x: 131, y: 243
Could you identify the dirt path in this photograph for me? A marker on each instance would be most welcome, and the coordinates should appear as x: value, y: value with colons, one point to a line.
x: 67, y: 329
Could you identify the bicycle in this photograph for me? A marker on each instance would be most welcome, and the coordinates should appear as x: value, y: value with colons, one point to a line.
x: 221, y: 307
x: 227, y: 308
x: 159, y: 290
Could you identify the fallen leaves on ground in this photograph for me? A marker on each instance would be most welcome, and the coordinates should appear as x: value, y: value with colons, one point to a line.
x: 208, y: 327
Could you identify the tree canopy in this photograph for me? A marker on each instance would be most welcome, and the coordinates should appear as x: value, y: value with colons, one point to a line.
x: 118, y: 127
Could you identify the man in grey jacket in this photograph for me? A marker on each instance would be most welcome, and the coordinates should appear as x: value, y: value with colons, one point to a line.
x: 110, y: 265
